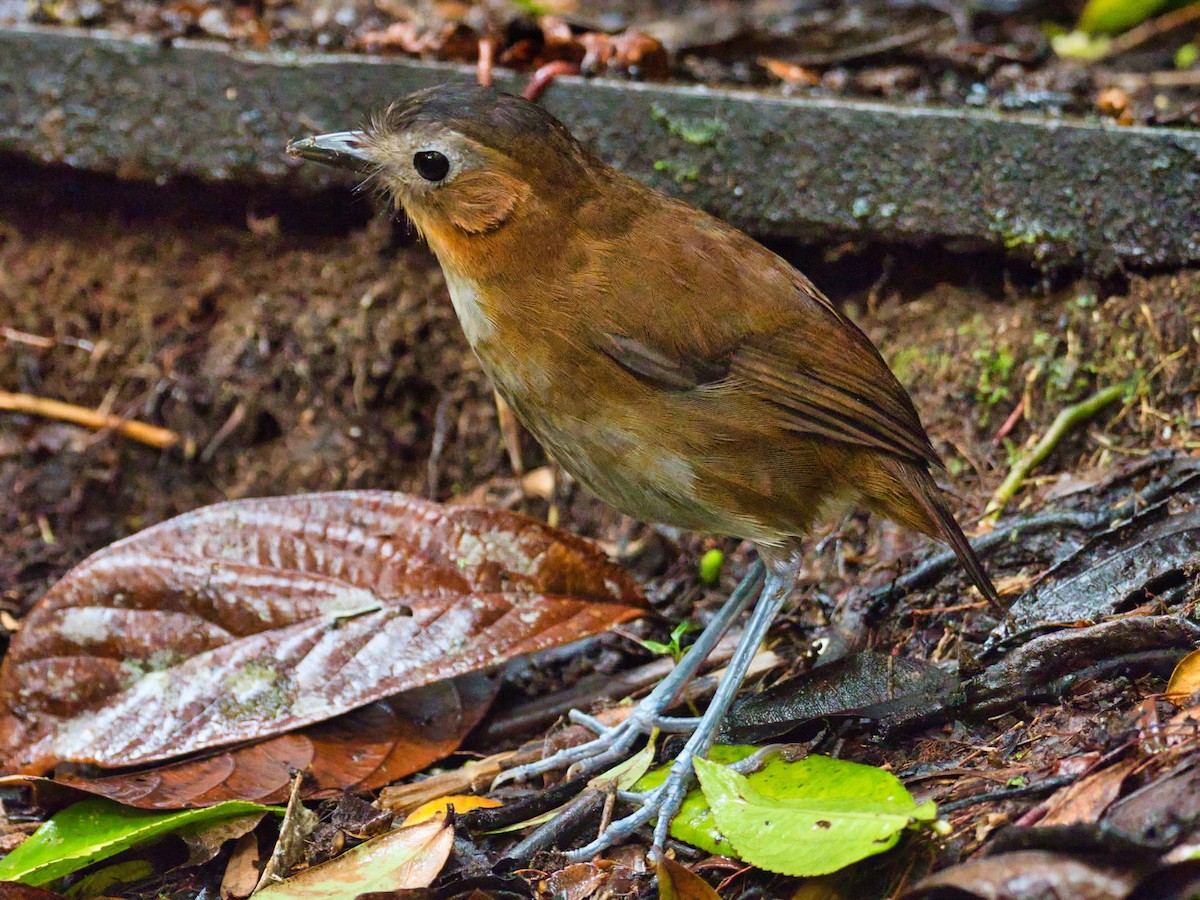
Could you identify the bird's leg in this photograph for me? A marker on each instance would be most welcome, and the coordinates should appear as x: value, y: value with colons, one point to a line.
x: 611, y: 743
x: 665, y: 800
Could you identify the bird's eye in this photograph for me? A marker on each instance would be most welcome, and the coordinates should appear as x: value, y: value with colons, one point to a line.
x: 431, y: 165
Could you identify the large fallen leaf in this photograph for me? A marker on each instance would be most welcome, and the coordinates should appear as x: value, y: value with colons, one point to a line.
x: 359, y: 751
x: 868, y: 685
x: 821, y: 814
x: 251, y: 618
x: 409, y: 857
x: 1046, y: 666
x: 96, y: 829
x: 1115, y: 571
x: 694, y: 823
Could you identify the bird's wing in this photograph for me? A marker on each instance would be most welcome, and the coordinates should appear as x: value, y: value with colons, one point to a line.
x: 814, y: 366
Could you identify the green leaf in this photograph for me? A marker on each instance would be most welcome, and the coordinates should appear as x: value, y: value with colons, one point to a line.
x: 97, y: 829
x: 694, y: 823
x: 809, y: 817
x: 1115, y: 16
x: 101, y: 882
x: 623, y: 776
x: 673, y: 648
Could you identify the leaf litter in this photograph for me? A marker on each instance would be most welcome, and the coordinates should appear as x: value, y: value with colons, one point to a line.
x: 983, y: 772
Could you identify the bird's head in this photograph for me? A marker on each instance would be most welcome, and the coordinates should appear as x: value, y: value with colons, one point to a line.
x: 463, y: 161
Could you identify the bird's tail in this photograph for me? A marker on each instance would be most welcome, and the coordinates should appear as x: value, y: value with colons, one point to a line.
x: 940, y: 522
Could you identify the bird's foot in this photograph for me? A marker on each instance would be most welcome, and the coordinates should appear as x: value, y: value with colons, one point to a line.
x: 662, y: 803
x: 611, y: 744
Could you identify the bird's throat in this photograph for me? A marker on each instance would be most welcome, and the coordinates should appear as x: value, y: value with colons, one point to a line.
x: 473, y: 314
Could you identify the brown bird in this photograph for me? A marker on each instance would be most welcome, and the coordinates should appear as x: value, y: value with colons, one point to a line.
x: 680, y: 370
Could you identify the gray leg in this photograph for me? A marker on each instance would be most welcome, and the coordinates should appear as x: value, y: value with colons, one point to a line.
x: 612, y: 743
x: 665, y: 800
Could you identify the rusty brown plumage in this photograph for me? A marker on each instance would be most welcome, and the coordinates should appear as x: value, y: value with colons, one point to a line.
x: 679, y: 369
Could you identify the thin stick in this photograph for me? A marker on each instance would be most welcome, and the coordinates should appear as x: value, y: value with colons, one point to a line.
x: 161, y: 438
x: 1153, y: 28
x: 1063, y: 422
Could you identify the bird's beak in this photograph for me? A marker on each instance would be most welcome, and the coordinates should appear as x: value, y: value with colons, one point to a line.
x: 341, y: 149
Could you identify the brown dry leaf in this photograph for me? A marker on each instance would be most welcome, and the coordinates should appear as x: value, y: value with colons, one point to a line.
x: 242, y: 872
x: 675, y: 882
x: 591, y: 881
x: 1185, y: 680
x: 299, y: 823
x: 1027, y: 873
x: 359, y: 751
x: 1086, y: 800
x: 248, y: 619
x: 14, y: 890
x: 402, y: 859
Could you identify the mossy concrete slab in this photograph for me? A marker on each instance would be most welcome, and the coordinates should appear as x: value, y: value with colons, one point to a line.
x: 1083, y: 193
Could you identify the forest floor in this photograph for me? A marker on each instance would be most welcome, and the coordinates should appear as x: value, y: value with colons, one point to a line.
x: 305, y: 345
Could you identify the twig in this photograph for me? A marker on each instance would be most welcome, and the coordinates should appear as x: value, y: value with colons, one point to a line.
x: 487, y: 54
x: 161, y: 438
x: 24, y: 337
x: 544, y: 77
x: 1010, y: 423
x: 1153, y: 28
x: 1063, y: 423
x: 874, y: 48
x: 1010, y: 793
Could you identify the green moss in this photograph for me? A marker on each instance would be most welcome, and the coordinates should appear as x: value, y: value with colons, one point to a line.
x: 992, y: 385
x: 694, y: 129
x: 680, y: 172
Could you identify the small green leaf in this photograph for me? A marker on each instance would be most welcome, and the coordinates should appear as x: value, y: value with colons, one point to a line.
x: 1081, y: 45
x: 1115, y: 16
x: 710, y: 566
x: 102, y: 882
x: 623, y: 776
x: 810, y: 817
x: 97, y: 829
x: 694, y: 823
x: 1186, y: 56
x: 673, y: 648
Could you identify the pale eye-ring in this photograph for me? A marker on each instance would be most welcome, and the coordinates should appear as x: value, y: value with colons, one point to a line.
x: 431, y: 165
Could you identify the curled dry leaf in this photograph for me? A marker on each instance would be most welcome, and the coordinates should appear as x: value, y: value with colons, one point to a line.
x: 1185, y: 680
x: 403, y: 859
x: 676, y: 882
x: 248, y: 619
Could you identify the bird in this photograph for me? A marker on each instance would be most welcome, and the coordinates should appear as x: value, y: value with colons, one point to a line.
x: 674, y: 366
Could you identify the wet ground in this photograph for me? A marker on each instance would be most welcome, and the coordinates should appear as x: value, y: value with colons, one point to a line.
x: 300, y: 345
